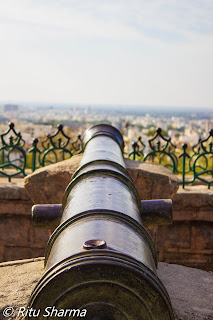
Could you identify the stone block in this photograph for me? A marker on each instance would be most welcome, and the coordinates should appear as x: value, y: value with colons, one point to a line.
x: 195, y: 197
x: 15, y: 230
x: 152, y: 180
x: 13, y: 191
x: 19, y: 240
x: 39, y: 238
x: 204, y: 235
x: 176, y: 235
x: 15, y: 207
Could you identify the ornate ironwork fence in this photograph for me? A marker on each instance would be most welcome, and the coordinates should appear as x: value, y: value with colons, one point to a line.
x: 15, y: 159
x: 190, y: 164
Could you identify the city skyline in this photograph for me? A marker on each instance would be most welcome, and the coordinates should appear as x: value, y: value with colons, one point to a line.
x: 108, y: 107
x: 148, y: 53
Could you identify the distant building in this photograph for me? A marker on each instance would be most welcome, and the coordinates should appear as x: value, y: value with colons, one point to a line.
x: 209, y: 125
x: 11, y: 107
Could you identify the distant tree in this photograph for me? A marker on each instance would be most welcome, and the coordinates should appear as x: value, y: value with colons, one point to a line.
x: 139, y: 126
x: 181, y: 129
x: 170, y: 127
x: 150, y: 126
x: 151, y: 133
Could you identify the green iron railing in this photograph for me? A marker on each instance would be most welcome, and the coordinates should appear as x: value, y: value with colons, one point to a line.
x: 15, y: 159
x: 13, y: 155
x: 190, y: 164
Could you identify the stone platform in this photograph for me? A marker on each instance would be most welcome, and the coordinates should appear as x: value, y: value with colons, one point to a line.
x: 190, y: 290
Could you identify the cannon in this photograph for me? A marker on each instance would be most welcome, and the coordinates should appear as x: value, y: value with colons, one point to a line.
x: 100, y: 261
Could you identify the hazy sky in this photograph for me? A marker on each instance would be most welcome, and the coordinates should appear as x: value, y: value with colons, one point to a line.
x: 148, y: 52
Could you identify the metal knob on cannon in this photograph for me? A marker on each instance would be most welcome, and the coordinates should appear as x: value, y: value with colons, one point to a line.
x: 100, y: 257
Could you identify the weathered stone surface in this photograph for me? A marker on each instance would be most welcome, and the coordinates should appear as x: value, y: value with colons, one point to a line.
x: 189, y: 240
x: 152, y: 181
x: 13, y: 191
x: 15, y: 207
x: 196, y: 201
x: 18, y: 238
x: 190, y: 290
x: 13, y: 198
x: 17, y: 280
x: 47, y: 184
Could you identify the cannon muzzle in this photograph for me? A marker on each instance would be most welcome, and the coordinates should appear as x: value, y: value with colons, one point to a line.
x: 100, y: 261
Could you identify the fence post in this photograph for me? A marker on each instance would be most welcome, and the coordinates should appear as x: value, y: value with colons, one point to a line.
x: 184, y: 154
x: 34, y: 151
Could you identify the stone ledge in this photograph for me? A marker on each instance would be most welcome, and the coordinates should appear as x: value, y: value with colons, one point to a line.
x: 194, y: 203
x: 194, y: 196
x: 20, y: 262
x: 13, y: 191
x: 190, y: 289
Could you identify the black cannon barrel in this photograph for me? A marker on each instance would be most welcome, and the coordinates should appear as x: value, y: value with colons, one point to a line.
x: 100, y: 258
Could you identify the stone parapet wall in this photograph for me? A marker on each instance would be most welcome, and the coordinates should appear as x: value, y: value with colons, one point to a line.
x: 18, y: 238
x: 188, y: 241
